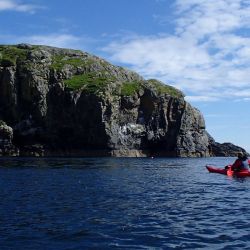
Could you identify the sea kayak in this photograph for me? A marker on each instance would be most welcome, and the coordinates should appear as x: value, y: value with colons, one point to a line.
x: 229, y: 171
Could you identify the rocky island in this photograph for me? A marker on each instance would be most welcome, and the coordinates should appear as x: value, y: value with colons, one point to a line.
x: 63, y: 102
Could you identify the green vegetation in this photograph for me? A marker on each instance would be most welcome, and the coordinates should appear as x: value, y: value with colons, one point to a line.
x: 59, y: 61
x: 162, y: 88
x: 94, y: 81
x: 10, y: 54
x: 89, y: 82
x: 130, y: 88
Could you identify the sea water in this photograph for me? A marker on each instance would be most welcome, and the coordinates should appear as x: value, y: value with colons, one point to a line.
x: 121, y: 203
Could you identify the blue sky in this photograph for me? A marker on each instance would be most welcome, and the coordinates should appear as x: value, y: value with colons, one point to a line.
x: 199, y: 46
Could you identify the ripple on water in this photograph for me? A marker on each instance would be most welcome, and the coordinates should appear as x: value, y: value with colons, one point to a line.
x: 105, y: 203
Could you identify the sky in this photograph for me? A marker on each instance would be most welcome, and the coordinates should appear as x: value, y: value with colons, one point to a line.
x: 201, y: 47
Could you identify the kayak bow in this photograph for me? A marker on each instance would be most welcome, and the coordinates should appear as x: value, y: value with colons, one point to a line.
x: 212, y: 169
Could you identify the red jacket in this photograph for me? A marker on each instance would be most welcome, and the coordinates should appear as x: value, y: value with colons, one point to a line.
x: 237, y: 164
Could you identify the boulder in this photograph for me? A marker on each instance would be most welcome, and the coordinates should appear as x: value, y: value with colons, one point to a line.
x: 6, y: 136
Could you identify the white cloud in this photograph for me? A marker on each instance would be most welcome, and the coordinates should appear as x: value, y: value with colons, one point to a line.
x: 207, y: 54
x: 61, y: 40
x: 57, y: 40
x: 201, y: 98
x: 11, y: 5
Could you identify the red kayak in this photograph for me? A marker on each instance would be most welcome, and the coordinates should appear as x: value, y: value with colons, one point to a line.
x: 229, y: 171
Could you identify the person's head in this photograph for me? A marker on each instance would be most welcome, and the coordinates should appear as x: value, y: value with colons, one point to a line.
x: 240, y: 155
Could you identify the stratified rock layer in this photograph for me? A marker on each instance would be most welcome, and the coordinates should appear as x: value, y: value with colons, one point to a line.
x: 66, y: 102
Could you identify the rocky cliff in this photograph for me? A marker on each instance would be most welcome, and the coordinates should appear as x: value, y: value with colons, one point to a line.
x: 67, y: 102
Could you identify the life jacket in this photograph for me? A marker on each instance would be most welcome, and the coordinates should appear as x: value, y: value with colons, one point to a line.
x: 245, y: 164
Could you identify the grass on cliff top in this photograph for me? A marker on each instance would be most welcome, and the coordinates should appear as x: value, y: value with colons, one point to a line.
x: 162, y: 88
x: 59, y: 61
x: 9, y: 54
x: 130, y: 88
x: 89, y: 82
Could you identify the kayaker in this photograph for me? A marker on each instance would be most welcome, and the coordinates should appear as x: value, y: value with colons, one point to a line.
x: 241, y: 163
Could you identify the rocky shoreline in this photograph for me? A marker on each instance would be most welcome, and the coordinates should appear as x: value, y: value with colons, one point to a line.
x: 62, y: 102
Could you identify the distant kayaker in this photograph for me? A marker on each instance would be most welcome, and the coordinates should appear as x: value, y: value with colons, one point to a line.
x: 241, y: 163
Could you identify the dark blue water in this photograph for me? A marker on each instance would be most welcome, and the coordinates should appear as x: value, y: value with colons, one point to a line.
x: 106, y: 203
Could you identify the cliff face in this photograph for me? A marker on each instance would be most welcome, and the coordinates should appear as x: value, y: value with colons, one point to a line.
x: 67, y: 102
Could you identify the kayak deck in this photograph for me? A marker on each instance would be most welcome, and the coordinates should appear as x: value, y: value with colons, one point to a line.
x: 229, y: 171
